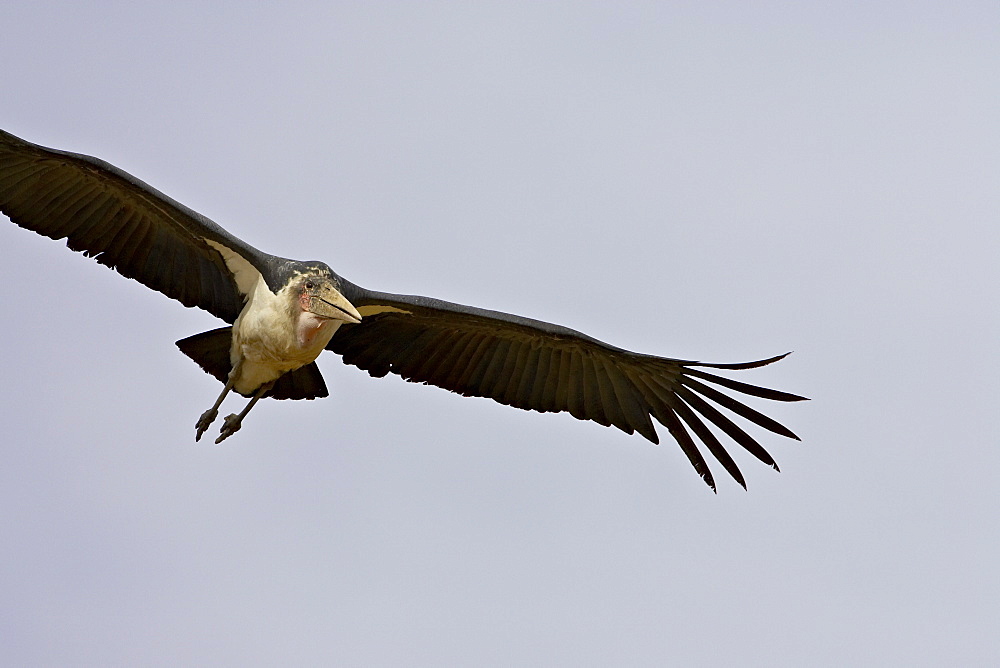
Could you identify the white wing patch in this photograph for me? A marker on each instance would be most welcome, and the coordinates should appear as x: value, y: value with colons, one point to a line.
x: 246, y: 274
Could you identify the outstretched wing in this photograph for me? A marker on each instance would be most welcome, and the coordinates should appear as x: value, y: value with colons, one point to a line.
x: 125, y: 224
x: 539, y: 366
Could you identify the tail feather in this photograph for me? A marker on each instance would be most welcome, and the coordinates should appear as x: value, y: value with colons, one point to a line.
x: 210, y: 351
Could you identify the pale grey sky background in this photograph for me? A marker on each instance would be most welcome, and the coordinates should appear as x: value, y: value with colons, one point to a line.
x: 720, y: 181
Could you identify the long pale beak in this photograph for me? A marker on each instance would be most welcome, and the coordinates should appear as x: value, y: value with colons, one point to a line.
x: 333, y: 305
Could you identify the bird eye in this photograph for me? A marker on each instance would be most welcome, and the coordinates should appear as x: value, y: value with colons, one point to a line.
x: 309, y: 285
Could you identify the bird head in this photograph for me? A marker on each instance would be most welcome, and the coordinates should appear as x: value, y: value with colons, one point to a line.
x: 319, y: 295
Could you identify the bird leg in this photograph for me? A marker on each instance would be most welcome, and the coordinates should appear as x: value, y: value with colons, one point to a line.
x: 234, y: 422
x: 208, y: 417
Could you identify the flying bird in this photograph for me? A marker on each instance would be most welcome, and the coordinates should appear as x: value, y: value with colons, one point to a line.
x: 283, y: 313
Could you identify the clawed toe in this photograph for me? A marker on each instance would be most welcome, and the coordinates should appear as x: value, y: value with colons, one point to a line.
x: 204, y: 422
x: 230, y: 427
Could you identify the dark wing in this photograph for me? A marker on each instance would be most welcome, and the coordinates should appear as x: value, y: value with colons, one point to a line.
x: 538, y: 366
x: 125, y: 224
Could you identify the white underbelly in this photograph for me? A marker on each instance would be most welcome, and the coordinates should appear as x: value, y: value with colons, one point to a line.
x: 254, y: 373
x: 263, y: 353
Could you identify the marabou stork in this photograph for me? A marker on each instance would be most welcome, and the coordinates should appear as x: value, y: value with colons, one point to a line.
x: 282, y: 313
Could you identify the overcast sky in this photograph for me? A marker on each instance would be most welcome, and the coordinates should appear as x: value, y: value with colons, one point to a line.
x: 698, y: 180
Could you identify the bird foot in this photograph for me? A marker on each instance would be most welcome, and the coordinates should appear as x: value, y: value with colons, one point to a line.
x: 231, y: 426
x: 204, y: 422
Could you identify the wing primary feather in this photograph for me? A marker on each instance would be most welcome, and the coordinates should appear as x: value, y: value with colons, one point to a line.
x: 654, y: 399
x: 709, y: 439
x: 574, y: 386
x: 592, y: 401
x: 633, y: 403
x: 752, y: 390
x: 669, y: 419
x: 739, y: 408
x: 739, y: 366
x: 611, y: 403
x: 734, y: 432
